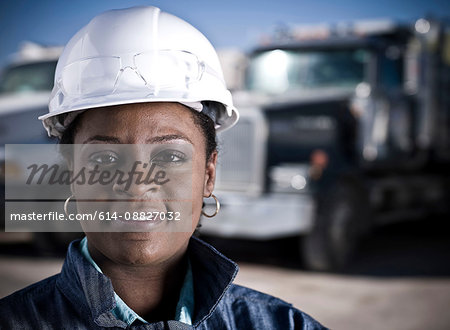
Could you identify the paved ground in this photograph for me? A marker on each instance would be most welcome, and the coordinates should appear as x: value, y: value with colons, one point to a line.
x: 400, y: 280
x: 348, y: 302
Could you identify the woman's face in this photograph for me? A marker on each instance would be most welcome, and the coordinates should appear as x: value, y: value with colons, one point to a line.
x: 163, y: 134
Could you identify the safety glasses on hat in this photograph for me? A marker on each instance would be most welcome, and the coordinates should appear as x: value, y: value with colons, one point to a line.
x: 159, y: 69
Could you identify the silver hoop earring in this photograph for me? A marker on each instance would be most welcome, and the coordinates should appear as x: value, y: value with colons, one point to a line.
x: 66, y: 203
x: 217, y: 207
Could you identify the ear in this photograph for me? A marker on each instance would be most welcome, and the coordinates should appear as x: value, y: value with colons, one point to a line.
x: 69, y: 164
x: 210, y: 175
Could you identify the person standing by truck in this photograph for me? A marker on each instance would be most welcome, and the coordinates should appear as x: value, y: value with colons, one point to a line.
x: 129, y: 77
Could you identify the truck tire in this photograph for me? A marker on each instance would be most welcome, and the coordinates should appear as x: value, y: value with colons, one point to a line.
x: 341, y: 219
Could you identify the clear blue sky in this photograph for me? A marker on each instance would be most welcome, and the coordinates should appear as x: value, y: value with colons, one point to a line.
x: 227, y: 23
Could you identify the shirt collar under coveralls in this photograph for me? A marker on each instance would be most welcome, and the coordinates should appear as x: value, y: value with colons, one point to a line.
x: 122, y: 311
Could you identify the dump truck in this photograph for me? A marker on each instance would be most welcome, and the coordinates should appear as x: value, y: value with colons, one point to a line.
x: 343, y: 128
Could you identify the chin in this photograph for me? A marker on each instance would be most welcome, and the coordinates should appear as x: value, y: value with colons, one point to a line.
x: 145, y: 248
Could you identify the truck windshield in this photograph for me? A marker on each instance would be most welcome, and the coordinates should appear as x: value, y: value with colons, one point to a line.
x: 29, y: 77
x: 277, y: 71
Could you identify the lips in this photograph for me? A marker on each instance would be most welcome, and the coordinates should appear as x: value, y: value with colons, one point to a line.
x: 140, y: 216
x: 135, y: 222
x: 138, y: 211
x: 145, y: 218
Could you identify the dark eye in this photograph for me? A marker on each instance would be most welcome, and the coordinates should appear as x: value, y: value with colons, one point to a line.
x: 169, y: 157
x: 103, y: 159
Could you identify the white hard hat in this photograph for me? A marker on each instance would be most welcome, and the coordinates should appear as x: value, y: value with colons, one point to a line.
x: 138, y: 55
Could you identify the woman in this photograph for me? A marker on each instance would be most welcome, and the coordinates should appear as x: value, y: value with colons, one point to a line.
x: 142, y: 88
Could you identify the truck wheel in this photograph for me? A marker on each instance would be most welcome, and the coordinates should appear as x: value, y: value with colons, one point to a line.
x: 341, y: 219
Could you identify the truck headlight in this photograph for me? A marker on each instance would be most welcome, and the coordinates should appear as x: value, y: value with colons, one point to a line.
x: 289, y: 177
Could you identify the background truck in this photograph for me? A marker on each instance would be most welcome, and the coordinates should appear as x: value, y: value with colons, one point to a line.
x: 25, y: 86
x: 342, y: 128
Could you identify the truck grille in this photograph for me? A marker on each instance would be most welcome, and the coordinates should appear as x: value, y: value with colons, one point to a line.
x: 241, y: 160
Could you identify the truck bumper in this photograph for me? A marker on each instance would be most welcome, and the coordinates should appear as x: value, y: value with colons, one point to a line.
x: 268, y: 217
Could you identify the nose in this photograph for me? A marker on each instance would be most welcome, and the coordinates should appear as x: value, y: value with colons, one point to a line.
x: 135, y: 184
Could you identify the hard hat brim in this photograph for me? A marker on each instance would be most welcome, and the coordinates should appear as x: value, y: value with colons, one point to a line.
x: 55, y: 127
